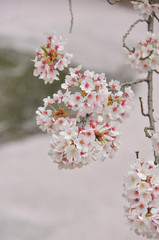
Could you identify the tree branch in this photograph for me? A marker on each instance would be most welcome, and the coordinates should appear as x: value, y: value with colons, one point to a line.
x: 154, y: 14
x: 71, y: 13
x: 128, y: 32
x: 139, y: 1
x: 146, y: 129
x: 156, y: 71
x: 112, y: 3
x: 142, y: 108
x: 156, y: 159
x: 127, y: 84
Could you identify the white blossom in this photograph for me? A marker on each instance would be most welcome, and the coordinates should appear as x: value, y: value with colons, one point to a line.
x: 145, y: 56
x: 142, y: 194
x: 145, y: 7
x: 51, y: 58
x: 84, y: 117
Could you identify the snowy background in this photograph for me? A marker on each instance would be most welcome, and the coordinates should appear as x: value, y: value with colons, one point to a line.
x: 37, y: 200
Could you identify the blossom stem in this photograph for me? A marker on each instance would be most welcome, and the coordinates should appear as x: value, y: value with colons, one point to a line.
x: 147, y: 55
x: 128, y: 32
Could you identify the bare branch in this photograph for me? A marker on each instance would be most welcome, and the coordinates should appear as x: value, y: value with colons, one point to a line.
x: 156, y: 159
x: 112, y: 3
x: 71, y: 13
x: 146, y: 129
x: 142, y: 108
x: 127, y: 84
x: 154, y: 14
x: 128, y: 32
x: 156, y: 71
x: 150, y: 101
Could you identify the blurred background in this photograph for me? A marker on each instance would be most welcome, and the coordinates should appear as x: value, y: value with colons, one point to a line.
x: 37, y: 200
x: 24, y: 28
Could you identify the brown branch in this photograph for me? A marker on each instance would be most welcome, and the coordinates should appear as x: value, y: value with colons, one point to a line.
x: 138, y: 1
x: 71, y: 13
x: 154, y: 14
x: 112, y: 3
x: 137, y: 154
x: 156, y: 71
x: 146, y: 129
x: 128, y: 32
x: 156, y: 159
x: 147, y: 56
x: 127, y: 84
x: 142, y: 108
x: 150, y: 90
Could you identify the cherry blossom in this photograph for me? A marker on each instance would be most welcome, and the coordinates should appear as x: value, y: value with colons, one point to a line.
x: 145, y: 56
x: 51, y: 59
x: 141, y: 190
x: 85, y: 124
x: 145, y: 7
x: 84, y: 117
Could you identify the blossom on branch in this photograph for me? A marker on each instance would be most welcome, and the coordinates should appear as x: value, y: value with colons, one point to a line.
x: 74, y: 146
x: 145, y: 56
x: 141, y: 190
x: 145, y: 7
x: 84, y: 120
x: 51, y: 59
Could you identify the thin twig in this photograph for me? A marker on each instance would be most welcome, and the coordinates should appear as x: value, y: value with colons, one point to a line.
x: 147, y: 56
x: 142, y: 108
x: 128, y: 32
x: 138, y: 1
x: 112, y: 3
x: 127, y: 84
x: 71, y: 13
x: 154, y: 14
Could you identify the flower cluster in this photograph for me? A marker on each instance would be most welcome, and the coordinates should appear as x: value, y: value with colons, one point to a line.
x: 83, y: 118
x: 145, y: 7
x: 145, y: 56
x: 75, y: 146
x: 50, y: 59
x: 141, y: 190
x: 94, y: 96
